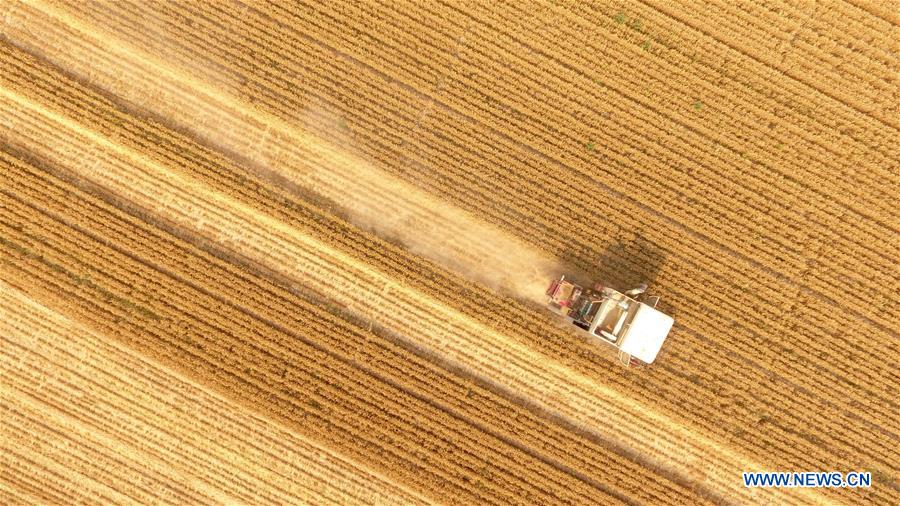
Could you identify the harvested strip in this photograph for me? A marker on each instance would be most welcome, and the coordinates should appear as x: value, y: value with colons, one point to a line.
x: 383, y: 422
x: 45, y: 485
x: 76, y: 387
x: 11, y: 495
x: 337, y: 274
x: 279, y: 307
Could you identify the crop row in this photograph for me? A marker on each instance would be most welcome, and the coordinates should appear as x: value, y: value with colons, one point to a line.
x: 831, y: 121
x: 410, y: 314
x: 127, y: 278
x: 254, y: 489
x: 391, y: 430
x: 270, y: 302
x: 10, y: 494
x: 240, y: 489
x: 881, y: 11
x: 83, y: 454
x: 838, y: 33
x: 782, y: 114
x: 44, y: 480
x: 853, y: 64
x: 534, y: 432
x: 498, y: 54
x: 777, y: 205
x: 195, y: 434
x: 843, y: 288
x: 262, y: 304
x: 212, y: 219
x: 777, y: 106
x: 744, y: 311
x: 376, y: 418
x: 26, y: 436
x: 818, y: 78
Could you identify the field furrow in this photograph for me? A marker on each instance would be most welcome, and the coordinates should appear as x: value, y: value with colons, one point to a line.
x: 62, y: 470
x: 26, y: 431
x: 839, y: 56
x: 46, y: 486
x: 13, y: 495
x: 880, y: 10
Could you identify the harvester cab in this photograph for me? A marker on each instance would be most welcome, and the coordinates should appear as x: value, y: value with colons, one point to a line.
x: 627, y: 320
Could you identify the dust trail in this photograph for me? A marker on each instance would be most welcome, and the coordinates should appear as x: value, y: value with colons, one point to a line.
x: 316, y: 155
x: 425, y: 225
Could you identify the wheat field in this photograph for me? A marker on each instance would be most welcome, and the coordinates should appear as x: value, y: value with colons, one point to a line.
x: 261, y: 253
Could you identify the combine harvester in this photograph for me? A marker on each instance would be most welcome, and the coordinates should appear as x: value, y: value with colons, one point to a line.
x: 629, y: 321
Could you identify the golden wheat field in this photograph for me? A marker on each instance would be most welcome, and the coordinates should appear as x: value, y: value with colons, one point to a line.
x: 271, y: 253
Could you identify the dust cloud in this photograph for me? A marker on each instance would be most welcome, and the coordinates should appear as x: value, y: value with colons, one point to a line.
x: 426, y: 225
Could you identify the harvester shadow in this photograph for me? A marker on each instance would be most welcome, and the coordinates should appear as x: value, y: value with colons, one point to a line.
x: 624, y: 265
